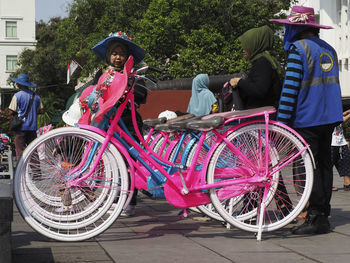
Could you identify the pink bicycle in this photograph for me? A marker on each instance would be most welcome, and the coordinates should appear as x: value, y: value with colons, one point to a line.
x: 256, y: 175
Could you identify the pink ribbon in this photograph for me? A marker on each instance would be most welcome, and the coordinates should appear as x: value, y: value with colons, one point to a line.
x: 299, y: 18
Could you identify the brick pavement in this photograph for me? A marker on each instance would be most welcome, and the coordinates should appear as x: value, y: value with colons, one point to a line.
x: 157, y: 234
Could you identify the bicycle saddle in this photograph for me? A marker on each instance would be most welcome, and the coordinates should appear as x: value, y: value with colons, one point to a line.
x: 239, y: 114
x: 179, y: 125
x: 162, y: 120
x: 154, y: 122
x: 206, y: 124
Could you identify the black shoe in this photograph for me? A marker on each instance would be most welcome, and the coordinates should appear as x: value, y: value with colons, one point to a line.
x: 314, y: 224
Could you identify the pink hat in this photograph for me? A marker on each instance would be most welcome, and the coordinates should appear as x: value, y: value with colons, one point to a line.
x: 301, y: 16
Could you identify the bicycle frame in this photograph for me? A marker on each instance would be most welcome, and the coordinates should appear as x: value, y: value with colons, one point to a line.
x: 183, y: 188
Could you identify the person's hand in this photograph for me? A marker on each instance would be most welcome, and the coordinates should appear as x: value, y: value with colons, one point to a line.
x: 234, y: 82
x: 346, y: 115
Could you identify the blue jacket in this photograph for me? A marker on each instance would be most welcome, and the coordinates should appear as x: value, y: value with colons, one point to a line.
x: 319, y: 99
x: 23, y: 99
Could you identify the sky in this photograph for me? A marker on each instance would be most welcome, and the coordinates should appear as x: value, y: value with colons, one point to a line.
x: 45, y: 9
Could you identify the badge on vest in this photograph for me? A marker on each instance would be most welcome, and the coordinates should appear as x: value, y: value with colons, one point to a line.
x: 326, y: 62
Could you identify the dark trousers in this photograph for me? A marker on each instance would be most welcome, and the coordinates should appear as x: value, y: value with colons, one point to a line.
x: 22, y: 139
x: 319, y: 138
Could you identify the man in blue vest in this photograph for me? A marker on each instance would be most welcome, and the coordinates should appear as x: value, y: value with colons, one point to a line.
x: 20, y: 103
x: 311, y: 104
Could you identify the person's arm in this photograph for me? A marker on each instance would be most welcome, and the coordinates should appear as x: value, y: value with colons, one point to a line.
x: 40, y: 109
x: 291, y: 87
x: 13, y: 105
x: 258, y: 82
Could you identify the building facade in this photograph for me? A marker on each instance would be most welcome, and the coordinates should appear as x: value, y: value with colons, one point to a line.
x: 335, y: 13
x: 17, y: 32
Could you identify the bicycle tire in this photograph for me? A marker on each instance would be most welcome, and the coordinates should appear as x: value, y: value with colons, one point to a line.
x: 39, y: 182
x: 286, y: 203
x: 208, y: 209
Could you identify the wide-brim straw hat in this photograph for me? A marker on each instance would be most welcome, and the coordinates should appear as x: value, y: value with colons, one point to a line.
x: 301, y: 16
x: 23, y: 79
x: 136, y: 51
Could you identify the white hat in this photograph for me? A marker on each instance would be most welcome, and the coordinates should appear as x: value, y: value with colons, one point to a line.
x: 73, y: 114
x: 167, y: 114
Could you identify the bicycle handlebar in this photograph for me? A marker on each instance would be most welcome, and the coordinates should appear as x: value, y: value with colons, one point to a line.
x: 139, y: 76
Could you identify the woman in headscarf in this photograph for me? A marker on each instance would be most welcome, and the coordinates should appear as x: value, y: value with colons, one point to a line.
x: 263, y: 85
x: 203, y: 101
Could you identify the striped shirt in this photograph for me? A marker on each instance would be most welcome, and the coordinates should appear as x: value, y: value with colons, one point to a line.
x: 291, y: 86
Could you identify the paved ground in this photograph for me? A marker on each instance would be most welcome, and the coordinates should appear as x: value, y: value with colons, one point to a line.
x: 157, y: 234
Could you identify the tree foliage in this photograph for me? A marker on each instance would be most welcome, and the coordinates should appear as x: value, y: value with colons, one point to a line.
x: 46, y: 68
x: 193, y: 36
x: 185, y: 37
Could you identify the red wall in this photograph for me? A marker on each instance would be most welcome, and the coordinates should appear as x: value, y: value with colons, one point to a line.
x: 161, y: 100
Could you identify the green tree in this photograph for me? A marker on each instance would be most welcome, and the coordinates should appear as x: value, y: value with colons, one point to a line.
x: 90, y: 21
x: 183, y: 36
x: 192, y: 36
x: 46, y: 68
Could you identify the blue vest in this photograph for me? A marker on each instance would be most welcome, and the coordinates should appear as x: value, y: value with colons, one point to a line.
x: 319, y: 99
x: 23, y: 99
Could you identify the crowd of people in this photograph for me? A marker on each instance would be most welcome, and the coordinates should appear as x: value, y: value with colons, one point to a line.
x: 307, y: 96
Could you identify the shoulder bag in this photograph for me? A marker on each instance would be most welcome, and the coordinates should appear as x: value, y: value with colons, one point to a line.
x: 16, y: 122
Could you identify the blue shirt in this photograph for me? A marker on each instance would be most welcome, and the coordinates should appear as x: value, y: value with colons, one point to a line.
x: 23, y: 99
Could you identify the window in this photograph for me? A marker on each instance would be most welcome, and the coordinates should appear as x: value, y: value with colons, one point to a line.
x: 11, y: 63
x: 11, y: 29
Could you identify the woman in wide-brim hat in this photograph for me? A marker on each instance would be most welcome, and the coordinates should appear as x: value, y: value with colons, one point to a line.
x: 311, y: 104
x: 115, y: 50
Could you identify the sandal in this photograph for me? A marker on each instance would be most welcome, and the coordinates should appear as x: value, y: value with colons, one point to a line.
x: 335, y: 188
x: 303, y: 214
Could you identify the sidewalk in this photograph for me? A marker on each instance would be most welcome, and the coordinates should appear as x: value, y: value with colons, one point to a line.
x: 157, y: 234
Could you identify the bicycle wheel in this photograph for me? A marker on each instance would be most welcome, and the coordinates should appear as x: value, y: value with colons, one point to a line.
x: 209, y: 209
x: 283, y: 190
x: 45, y: 198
